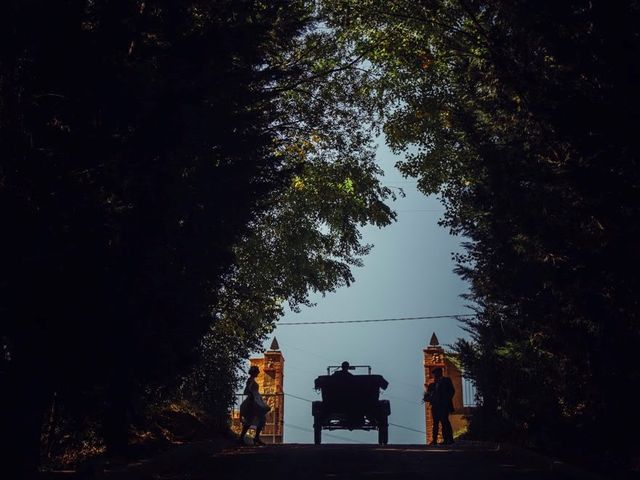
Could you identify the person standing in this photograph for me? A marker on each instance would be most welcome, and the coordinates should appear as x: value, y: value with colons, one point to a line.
x: 253, y: 410
x: 440, y: 395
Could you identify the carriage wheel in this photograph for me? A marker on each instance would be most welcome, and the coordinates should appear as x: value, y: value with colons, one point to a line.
x: 383, y: 434
x: 317, y: 434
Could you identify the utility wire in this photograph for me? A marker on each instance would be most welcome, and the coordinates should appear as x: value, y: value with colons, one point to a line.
x: 371, y: 320
x: 420, y: 210
x: 324, y: 434
x: 407, y: 428
x: 384, y: 394
x: 299, y: 398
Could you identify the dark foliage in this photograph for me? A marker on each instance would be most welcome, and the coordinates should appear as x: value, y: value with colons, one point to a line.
x: 136, y: 146
x: 172, y: 173
x: 523, y: 116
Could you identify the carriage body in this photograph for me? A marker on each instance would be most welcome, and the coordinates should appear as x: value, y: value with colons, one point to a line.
x: 351, y: 402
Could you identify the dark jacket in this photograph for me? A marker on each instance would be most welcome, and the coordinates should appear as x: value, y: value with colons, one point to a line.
x: 440, y: 394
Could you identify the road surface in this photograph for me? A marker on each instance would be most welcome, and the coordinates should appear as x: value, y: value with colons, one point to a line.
x: 370, y: 462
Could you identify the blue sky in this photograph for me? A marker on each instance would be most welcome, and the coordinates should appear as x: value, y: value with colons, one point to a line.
x: 408, y: 273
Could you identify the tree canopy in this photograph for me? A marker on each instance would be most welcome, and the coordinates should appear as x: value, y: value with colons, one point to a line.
x: 171, y: 173
x: 174, y: 173
x: 521, y: 116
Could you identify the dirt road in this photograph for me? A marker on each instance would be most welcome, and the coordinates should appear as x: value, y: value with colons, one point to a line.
x: 341, y: 462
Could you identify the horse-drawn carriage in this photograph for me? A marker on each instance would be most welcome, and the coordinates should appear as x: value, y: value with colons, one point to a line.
x: 351, y: 402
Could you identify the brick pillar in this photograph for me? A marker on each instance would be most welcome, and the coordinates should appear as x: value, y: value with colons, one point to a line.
x: 271, y: 383
x: 433, y: 357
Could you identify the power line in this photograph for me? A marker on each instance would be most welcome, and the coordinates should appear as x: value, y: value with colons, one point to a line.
x: 299, y: 398
x: 412, y: 402
x: 370, y: 320
x: 419, y: 210
x: 297, y: 427
x: 407, y: 428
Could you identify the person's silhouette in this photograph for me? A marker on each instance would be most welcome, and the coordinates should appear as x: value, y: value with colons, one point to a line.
x: 344, y: 369
x: 440, y: 395
x: 253, y: 409
x: 350, y: 400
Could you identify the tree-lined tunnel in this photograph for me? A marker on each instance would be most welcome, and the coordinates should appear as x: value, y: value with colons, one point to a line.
x: 176, y: 176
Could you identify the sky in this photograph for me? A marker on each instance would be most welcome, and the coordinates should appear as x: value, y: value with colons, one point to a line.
x: 408, y: 273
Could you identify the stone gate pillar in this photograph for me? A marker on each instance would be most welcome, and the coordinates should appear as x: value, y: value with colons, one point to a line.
x: 271, y: 384
x: 435, y: 356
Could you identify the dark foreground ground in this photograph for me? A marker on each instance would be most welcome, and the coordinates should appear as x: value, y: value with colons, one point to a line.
x: 333, y: 462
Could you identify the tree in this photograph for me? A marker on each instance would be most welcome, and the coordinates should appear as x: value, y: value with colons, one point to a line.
x: 520, y: 117
x: 126, y: 129
x: 306, y: 238
x: 157, y: 158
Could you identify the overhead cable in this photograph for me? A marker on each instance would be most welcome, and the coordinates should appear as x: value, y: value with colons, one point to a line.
x: 407, y: 428
x: 297, y: 427
x: 299, y: 398
x: 371, y: 320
